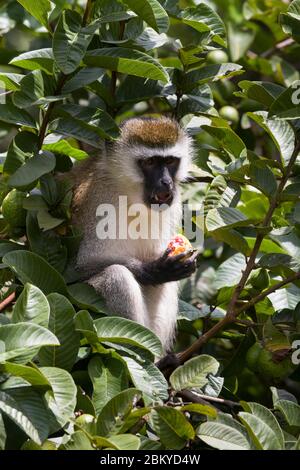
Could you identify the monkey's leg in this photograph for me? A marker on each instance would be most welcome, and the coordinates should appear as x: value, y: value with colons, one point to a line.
x: 122, y: 293
x: 162, y: 304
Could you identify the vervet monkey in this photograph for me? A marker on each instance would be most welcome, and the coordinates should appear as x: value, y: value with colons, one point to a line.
x: 136, y: 277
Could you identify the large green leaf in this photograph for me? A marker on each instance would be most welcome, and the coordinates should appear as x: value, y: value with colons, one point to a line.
x: 128, y: 61
x: 225, y: 217
x: 262, y: 427
x: 33, y: 169
x: 63, y: 147
x: 33, y: 375
x: 35, y: 88
x: 113, y: 414
x: 290, y: 411
x: 263, y: 92
x: 70, y: 41
x: 224, y: 433
x: 150, y: 11
x: 20, y: 149
x: 61, y: 323
x: 41, y: 59
x: 109, y: 377
x: 39, y: 10
x: 32, y: 306
x: 281, y: 132
x: 27, y: 409
x: 172, y: 427
x: 13, y: 115
x: 147, y: 378
x: 122, y: 330
x: 84, y: 77
x: 194, y: 372
x: 22, y: 341
x: 62, y: 399
x: 229, y: 273
x: 119, y: 442
x: 204, y: 19
x: 31, y: 268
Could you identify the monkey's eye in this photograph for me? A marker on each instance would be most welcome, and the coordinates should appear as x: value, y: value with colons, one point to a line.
x: 148, y: 162
x: 171, y: 160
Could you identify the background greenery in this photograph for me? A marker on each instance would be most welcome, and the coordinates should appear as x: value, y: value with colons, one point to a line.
x: 71, y: 71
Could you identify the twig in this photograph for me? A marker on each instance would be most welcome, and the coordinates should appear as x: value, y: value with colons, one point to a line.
x: 87, y: 12
x: 192, y: 397
x: 10, y: 298
x: 281, y: 45
x: 206, y: 398
x: 198, y: 179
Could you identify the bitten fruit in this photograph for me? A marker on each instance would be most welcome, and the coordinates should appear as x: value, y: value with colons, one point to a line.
x: 179, y: 244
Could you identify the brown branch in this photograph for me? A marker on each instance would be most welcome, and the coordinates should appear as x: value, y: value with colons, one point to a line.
x: 198, y: 179
x: 204, y: 399
x: 267, y: 292
x: 233, y: 312
x: 87, y: 12
x: 281, y: 45
x: 9, y: 299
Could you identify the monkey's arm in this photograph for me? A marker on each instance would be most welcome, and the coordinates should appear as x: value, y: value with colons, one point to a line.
x: 162, y: 270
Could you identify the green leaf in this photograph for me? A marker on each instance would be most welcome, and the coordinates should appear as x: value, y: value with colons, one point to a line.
x: 2, y: 433
x: 31, y: 374
x: 189, y: 312
x: 239, y: 40
x: 63, y: 147
x: 230, y: 271
x: 10, y: 81
x: 227, y: 139
x: 263, y: 92
x: 263, y: 178
x: 26, y: 408
x: 70, y: 41
x: 224, y: 434
x: 281, y: 132
x: 62, y: 399
x: 20, y: 149
x: 151, y: 12
x: 113, y: 414
x: 109, y: 377
x: 41, y: 59
x: 84, y: 296
x: 61, y: 323
x: 11, y: 114
x: 119, y: 442
x: 78, y: 441
x: 22, y: 341
x: 202, y: 18
x: 193, y: 373
x: 290, y: 21
x: 287, y: 104
x: 290, y: 411
x: 172, y: 427
x: 31, y: 268
x: 128, y: 61
x: 34, y: 88
x: 200, y: 409
x: 39, y: 10
x: 228, y: 217
x: 208, y: 74
x: 147, y: 378
x: 79, y: 130
x: 263, y: 427
x: 122, y: 330
x: 84, y: 77
x: 33, y: 169
x: 31, y: 306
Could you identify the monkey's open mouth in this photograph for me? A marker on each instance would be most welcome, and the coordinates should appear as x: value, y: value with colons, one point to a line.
x: 162, y: 198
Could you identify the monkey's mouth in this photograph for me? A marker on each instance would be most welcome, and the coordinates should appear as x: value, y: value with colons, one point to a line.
x: 162, y: 197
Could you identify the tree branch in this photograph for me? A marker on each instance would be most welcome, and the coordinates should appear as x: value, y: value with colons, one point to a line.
x: 10, y: 298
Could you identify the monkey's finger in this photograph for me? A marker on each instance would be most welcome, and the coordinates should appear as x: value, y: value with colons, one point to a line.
x: 174, y: 259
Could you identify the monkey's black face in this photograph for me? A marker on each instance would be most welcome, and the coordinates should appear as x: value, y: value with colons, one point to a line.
x: 159, y: 179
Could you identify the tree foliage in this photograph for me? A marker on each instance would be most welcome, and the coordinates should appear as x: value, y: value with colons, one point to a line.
x: 72, y: 377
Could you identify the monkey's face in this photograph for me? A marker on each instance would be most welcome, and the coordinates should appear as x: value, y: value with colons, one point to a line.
x: 159, y: 179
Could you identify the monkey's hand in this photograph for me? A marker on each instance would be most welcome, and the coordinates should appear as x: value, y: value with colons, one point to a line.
x: 168, y: 268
